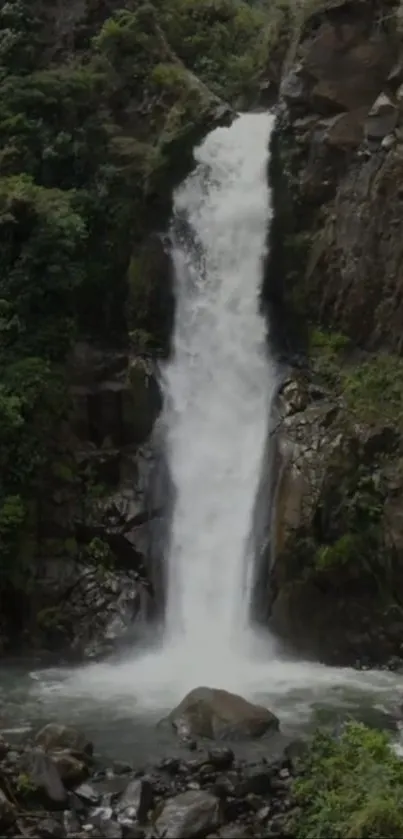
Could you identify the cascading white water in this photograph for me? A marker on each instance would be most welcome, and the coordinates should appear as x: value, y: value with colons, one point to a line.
x: 219, y: 383
x: 218, y: 389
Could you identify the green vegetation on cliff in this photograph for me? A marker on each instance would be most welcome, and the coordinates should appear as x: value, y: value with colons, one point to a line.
x: 224, y: 42
x: 100, y: 107
x: 350, y: 787
x: 370, y: 384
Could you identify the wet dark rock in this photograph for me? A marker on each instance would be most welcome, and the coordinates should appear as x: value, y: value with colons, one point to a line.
x: 54, y: 737
x: 224, y: 785
x: 233, y: 808
x: 72, y: 771
x: 110, y: 829
x: 276, y: 826
x: 7, y: 811
x: 263, y: 814
x: 110, y: 786
x: 195, y: 785
x: 51, y: 829
x: 120, y: 767
x: 114, y: 397
x: 210, y: 796
x: 88, y: 793
x: 207, y: 772
x: 137, y: 799
x: 236, y: 831
x: 293, y: 87
x: 71, y: 823
x: 132, y: 831
x: 191, y: 814
x: 3, y: 748
x: 13, y: 757
x: 43, y: 775
x: 219, y: 714
x: 222, y: 758
x: 78, y: 805
x: 382, y: 118
x: 170, y: 765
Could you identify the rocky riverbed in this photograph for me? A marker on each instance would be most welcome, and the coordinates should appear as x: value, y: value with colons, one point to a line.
x: 54, y: 785
x: 224, y: 767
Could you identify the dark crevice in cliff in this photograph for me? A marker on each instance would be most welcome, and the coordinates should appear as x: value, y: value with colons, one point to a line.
x: 261, y: 531
x: 287, y: 333
x: 161, y: 495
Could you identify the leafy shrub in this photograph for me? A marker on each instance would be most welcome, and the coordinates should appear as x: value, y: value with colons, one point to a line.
x: 374, y: 388
x: 371, y: 386
x: 350, y: 787
x: 225, y: 42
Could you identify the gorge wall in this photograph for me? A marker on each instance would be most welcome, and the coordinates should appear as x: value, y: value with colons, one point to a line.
x: 99, y: 117
x: 102, y: 103
x: 335, y: 589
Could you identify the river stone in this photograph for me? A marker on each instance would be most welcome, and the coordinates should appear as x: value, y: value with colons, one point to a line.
x: 218, y: 714
x: 71, y: 770
x: 256, y: 780
x: 137, y: 797
x: 51, y: 829
x: 71, y: 823
x: 221, y: 758
x: 88, y: 794
x: 236, y: 831
x: 382, y: 118
x: 191, y: 814
x: 44, y: 775
x: 3, y: 747
x: 54, y: 737
x: 7, y: 810
x: 111, y: 830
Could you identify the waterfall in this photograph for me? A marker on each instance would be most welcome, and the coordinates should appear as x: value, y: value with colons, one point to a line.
x: 218, y: 386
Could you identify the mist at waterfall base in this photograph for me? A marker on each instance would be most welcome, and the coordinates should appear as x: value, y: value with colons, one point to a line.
x: 218, y: 390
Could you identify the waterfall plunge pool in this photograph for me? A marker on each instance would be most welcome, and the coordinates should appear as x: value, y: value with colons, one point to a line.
x: 219, y: 387
x: 119, y: 703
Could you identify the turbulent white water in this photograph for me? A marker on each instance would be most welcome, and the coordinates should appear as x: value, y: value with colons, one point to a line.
x: 219, y: 384
x: 218, y: 389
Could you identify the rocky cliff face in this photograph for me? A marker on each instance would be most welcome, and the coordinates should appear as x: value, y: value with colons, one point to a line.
x: 79, y: 532
x: 340, y: 152
x: 336, y: 580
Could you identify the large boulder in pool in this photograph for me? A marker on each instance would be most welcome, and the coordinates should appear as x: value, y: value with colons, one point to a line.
x: 55, y: 737
x: 218, y: 714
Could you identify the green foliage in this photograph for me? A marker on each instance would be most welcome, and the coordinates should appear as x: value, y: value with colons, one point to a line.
x: 40, y: 238
x: 349, y: 787
x: 73, y: 179
x: 49, y: 618
x: 98, y: 118
x: 229, y: 43
x: 350, y: 535
x: 168, y: 76
x: 329, y: 343
x: 12, y: 518
x: 343, y: 551
x: 141, y: 342
x: 225, y: 42
x: 371, y: 386
x: 97, y: 551
x: 327, y: 351
x: 374, y: 388
x: 25, y: 785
